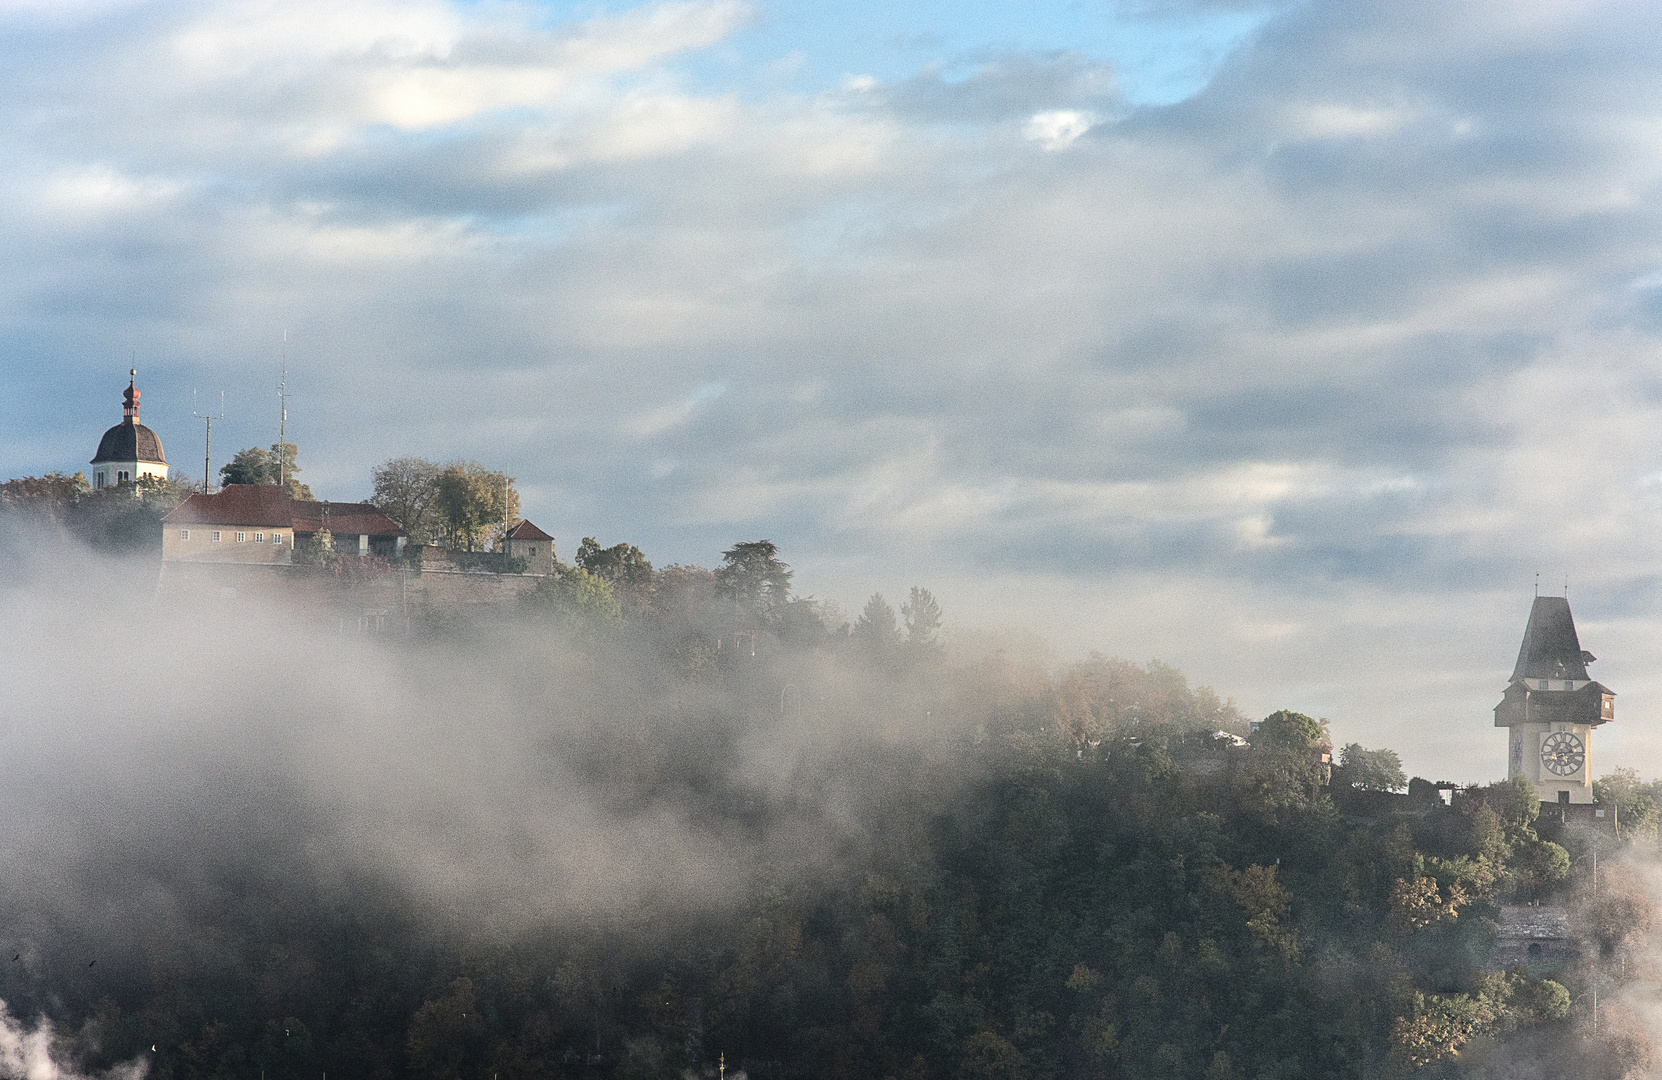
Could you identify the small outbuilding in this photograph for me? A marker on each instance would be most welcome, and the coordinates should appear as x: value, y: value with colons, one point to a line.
x: 526, y: 541
x: 1536, y: 935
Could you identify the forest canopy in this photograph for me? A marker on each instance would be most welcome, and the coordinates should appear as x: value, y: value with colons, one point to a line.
x: 902, y: 851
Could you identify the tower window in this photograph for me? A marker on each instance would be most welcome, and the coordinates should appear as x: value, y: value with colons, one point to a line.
x: 216, y: 536
x: 1564, y: 798
x: 123, y: 476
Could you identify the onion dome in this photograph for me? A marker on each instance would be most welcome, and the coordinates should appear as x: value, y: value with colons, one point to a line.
x: 130, y: 440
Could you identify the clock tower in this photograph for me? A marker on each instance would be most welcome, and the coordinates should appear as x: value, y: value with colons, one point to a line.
x: 1551, y: 707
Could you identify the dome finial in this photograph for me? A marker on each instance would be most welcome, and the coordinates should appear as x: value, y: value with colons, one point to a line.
x: 130, y: 408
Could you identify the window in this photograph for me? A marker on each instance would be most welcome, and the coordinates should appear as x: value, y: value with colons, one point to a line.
x: 1535, y: 951
x: 277, y: 538
x: 242, y: 538
x: 184, y: 534
x: 1568, y: 685
x: 216, y: 536
x: 533, y: 550
x: 1564, y: 798
x: 100, y: 478
x: 1543, y: 685
x: 259, y: 538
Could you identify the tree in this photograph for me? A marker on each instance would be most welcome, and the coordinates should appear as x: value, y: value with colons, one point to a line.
x: 257, y: 466
x: 283, y: 466
x: 319, y: 551
x: 876, y: 629
x: 474, y: 503
x: 753, y: 577
x: 623, y: 567
x: 923, y: 619
x: 1635, y: 802
x: 50, y: 496
x: 1284, y: 767
x: 1369, y: 770
x: 250, y: 466
x: 576, y: 598
x: 406, y: 490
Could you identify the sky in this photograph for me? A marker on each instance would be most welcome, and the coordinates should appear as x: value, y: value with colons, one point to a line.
x: 1289, y: 343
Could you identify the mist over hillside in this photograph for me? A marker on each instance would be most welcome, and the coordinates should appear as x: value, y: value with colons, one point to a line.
x: 641, y: 823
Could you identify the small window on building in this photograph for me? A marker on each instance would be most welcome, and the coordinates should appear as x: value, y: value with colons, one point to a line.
x: 216, y: 536
x: 533, y: 550
x: 242, y: 538
x: 99, y: 479
x: 1534, y: 951
x: 184, y: 534
x: 259, y: 538
x: 276, y: 538
x: 1564, y: 798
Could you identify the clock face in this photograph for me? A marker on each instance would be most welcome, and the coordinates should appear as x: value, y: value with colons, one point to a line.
x: 1562, y: 753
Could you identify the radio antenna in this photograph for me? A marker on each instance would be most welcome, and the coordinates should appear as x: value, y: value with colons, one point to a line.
x: 283, y: 417
x: 208, y: 441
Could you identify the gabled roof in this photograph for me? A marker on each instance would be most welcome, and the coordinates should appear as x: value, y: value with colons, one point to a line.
x: 527, y: 531
x: 344, y: 518
x: 271, y: 506
x: 236, y: 504
x: 1550, y: 647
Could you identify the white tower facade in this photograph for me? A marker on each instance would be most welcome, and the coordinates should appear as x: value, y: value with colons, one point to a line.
x: 1552, y: 706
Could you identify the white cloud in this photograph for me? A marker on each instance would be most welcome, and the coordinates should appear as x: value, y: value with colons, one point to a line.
x: 1058, y: 128
x: 1337, y: 121
x: 1370, y: 326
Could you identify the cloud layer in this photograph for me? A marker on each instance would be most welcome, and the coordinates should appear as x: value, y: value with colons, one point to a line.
x: 1295, y: 383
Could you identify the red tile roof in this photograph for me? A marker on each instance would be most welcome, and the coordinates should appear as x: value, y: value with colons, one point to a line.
x: 236, y: 504
x: 527, y: 531
x: 270, y: 505
x: 344, y: 518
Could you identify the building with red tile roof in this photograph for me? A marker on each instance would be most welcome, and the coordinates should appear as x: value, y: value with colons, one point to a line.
x: 526, y: 541
x: 262, y: 523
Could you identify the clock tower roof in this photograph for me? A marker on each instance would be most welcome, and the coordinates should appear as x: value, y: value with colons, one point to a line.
x: 1550, y: 647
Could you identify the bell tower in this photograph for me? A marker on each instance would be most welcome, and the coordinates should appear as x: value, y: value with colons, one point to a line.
x: 1551, y: 707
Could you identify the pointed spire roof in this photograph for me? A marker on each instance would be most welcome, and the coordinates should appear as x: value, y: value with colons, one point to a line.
x: 1550, y: 647
x: 130, y: 440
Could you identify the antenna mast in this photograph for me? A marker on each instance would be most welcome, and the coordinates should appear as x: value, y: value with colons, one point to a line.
x: 208, y: 443
x: 283, y: 417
